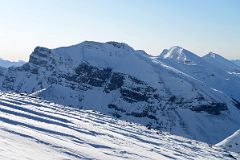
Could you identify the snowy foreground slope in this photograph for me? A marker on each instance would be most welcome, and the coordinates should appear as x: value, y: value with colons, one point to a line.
x: 33, y: 129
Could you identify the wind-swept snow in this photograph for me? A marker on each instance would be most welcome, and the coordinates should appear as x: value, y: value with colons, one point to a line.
x: 33, y: 129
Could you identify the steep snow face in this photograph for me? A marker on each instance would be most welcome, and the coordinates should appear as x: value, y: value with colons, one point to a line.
x: 232, y: 143
x: 114, y: 79
x: 34, y: 129
x: 221, y: 62
x: 6, y: 63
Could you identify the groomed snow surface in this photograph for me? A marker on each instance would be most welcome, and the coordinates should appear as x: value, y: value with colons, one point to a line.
x: 33, y: 129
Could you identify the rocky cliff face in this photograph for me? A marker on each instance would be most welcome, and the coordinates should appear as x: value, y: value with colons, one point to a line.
x: 116, y: 80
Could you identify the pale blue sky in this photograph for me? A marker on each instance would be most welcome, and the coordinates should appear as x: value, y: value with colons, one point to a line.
x: 152, y: 25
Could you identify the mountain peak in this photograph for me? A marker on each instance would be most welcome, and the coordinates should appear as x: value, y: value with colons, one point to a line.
x: 7, y: 63
x: 180, y: 55
x: 40, y: 56
x: 219, y: 61
x: 87, y: 51
x: 114, y: 55
x: 176, y: 48
x: 213, y: 55
x: 174, y: 51
x: 116, y: 45
x: 120, y: 45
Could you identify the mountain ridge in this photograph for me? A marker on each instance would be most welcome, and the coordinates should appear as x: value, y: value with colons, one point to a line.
x: 221, y: 62
x: 7, y: 63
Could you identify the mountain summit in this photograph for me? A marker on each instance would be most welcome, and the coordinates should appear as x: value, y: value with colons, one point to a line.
x: 180, y: 55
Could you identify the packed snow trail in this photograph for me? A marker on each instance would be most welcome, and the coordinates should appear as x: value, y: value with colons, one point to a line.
x: 33, y: 129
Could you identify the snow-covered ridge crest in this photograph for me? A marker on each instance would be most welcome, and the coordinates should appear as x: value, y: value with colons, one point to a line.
x: 231, y: 143
x: 221, y: 62
x: 213, y: 55
x: 114, y: 55
x: 120, y: 45
x: 87, y: 49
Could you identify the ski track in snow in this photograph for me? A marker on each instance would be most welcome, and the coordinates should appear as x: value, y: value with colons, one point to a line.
x: 33, y: 129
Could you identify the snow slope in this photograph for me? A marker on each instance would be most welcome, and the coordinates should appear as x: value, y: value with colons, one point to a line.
x: 6, y: 63
x: 34, y: 129
x: 232, y: 143
x: 237, y: 62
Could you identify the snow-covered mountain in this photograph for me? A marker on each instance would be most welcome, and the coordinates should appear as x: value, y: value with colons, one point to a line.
x: 35, y: 129
x: 221, y: 62
x: 6, y: 63
x: 209, y: 69
x: 180, y: 55
x: 175, y: 92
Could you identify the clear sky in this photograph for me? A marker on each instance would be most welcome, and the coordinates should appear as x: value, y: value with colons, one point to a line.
x: 152, y: 25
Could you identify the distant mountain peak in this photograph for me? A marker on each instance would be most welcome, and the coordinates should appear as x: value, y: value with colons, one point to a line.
x: 219, y: 61
x: 180, y: 55
x: 7, y: 63
x: 214, y: 55
x: 176, y: 48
